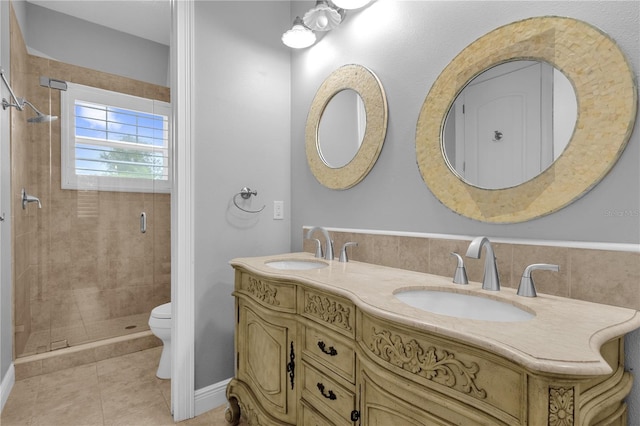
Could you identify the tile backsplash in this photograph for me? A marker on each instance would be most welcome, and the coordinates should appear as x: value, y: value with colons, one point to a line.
x: 610, y: 277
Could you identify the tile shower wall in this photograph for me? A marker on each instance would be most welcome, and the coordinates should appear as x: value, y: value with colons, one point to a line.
x: 81, y: 264
x: 602, y: 276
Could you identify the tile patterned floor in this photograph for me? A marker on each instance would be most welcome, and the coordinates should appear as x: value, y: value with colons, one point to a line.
x: 117, y: 391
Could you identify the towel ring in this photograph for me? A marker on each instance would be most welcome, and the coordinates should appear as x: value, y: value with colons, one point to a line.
x: 246, y: 193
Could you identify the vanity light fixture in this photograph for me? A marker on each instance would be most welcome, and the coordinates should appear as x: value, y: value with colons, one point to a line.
x: 351, y: 4
x: 326, y: 15
x: 299, y: 36
x: 323, y: 17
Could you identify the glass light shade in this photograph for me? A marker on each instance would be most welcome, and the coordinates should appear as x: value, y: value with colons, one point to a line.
x: 323, y: 17
x: 350, y: 4
x: 299, y: 36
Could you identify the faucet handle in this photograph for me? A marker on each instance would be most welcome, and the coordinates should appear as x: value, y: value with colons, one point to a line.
x: 343, y: 253
x: 26, y: 198
x: 460, y: 275
x: 527, y: 288
x: 318, y: 247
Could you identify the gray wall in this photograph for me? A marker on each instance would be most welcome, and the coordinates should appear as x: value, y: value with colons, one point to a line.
x: 75, y: 41
x: 407, y: 44
x: 241, y: 131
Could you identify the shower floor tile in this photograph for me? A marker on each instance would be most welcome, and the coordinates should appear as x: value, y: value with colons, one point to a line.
x: 117, y: 391
x: 44, y: 341
x: 117, y: 327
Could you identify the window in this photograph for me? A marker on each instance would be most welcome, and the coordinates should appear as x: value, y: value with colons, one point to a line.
x: 114, y: 142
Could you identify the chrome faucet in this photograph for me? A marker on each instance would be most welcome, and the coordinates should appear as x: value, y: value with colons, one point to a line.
x: 526, y: 287
x: 328, y: 252
x: 490, y: 280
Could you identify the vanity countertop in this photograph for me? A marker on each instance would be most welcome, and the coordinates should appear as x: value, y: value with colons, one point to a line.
x: 564, y: 337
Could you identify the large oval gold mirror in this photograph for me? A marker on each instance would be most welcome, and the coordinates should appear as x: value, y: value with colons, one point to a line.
x: 606, y: 95
x: 346, y: 127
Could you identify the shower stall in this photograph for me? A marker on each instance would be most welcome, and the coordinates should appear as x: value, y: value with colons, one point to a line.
x: 88, y: 264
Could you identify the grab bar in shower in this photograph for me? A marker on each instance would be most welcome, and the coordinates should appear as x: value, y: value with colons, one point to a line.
x: 143, y: 222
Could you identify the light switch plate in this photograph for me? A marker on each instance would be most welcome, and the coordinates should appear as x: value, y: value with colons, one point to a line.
x: 278, y: 210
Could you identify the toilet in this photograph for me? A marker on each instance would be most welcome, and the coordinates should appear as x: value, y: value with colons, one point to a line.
x: 160, y: 325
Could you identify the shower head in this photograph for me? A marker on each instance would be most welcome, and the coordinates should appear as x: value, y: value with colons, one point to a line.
x: 40, y: 117
x: 21, y: 102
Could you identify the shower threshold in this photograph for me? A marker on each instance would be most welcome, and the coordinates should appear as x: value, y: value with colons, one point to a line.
x: 86, y: 353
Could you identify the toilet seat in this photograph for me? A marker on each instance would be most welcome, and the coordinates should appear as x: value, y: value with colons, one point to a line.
x: 162, y: 311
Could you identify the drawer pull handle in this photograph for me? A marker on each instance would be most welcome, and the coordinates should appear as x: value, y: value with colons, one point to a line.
x: 331, y: 351
x: 329, y: 395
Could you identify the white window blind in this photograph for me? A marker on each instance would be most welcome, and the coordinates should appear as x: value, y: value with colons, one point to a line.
x: 114, y: 142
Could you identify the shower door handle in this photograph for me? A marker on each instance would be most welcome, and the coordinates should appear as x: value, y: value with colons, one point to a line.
x: 143, y: 222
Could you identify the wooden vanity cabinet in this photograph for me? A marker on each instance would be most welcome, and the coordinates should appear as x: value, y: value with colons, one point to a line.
x: 310, y: 357
x: 265, y: 387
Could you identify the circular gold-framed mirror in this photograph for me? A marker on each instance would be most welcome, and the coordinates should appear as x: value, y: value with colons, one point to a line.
x: 373, y: 126
x: 607, y: 105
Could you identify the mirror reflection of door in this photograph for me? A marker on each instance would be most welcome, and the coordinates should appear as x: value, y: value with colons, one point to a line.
x: 341, y: 128
x: 500, y: 131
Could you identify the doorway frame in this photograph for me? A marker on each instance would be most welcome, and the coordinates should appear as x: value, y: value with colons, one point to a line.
x: 182, y: 220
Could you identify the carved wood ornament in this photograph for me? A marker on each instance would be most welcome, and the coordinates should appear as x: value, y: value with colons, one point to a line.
x: 438, y: 366
x: 250, y: 413
x: 561, y: 406
x: 328, y: 310
x: 263, y: 291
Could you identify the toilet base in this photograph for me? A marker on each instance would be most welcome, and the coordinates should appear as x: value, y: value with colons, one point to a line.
x: 164, y: 368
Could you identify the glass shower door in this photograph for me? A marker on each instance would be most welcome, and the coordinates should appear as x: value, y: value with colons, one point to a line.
x: 90, y: 272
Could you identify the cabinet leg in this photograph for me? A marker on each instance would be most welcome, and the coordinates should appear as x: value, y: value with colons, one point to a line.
x: 232, y: 413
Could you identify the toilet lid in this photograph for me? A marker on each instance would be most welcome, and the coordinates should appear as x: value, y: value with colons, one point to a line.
x: 162, y: 311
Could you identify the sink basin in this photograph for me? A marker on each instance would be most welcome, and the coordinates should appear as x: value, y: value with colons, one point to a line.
x: 296, y: 264
x: 462, y: 305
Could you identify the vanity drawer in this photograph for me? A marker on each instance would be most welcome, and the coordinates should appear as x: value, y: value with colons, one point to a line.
x: 309, y: 416
x: 331, y: 351
x: 272, y: 294
x: 327, y: 396
x: 331, y: 311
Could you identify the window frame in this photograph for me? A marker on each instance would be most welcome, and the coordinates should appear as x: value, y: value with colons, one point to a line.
x: 69, y: 179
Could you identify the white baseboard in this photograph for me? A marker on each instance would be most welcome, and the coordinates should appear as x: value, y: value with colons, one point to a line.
x: 6, y: 385
x: 211, y: 397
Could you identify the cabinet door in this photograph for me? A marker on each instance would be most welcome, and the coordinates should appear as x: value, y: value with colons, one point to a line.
x: 267, y: 359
